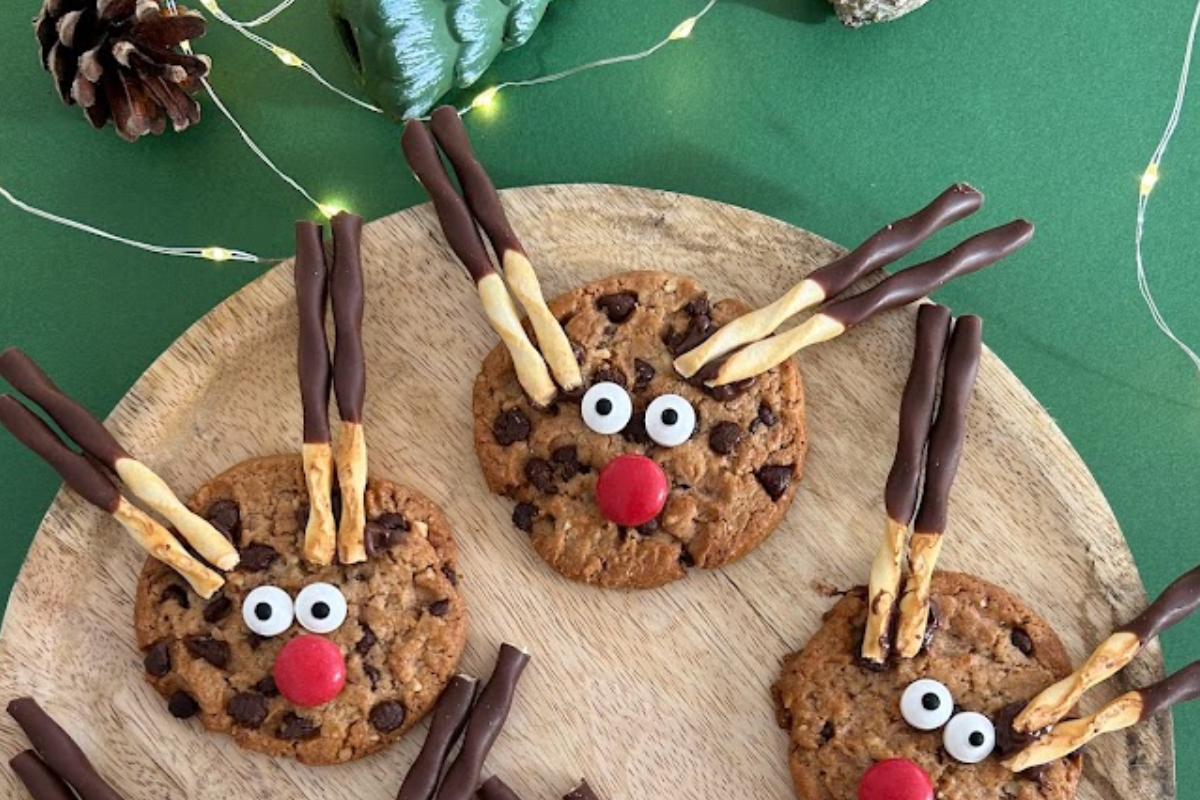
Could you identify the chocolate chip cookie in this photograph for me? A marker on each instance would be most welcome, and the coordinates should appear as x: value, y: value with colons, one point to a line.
x: 641, y: 474
x: 322, y: 664
x: 989, y: 652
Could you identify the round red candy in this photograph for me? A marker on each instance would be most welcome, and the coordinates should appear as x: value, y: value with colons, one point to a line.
x: 310, y: 670
x: 895, y: 779
x: 632, y: 490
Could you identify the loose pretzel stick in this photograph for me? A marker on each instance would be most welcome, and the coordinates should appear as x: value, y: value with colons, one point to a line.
x: 485, y: 206
x: 449, y: 720
x: 312, y: 363
x: 1176, y: 602
x: 1128, y: 709
x: 59, y: 751
x: 463, y: 238
x: 92, y: 485
x: 903, y: 484
x: 40, y: 781
x: 77, y: 422
x: 350, y: 385
x: 941, y: 465
x: 972, y: 255
x: 495, y: 789
x: 885, y: 246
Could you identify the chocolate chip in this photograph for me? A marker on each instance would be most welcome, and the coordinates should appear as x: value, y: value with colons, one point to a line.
x: 440, y: 608
x: 258, y: 557
x: 698, y: 329
x: 217, y: 609
x: 393, y: 521
x: 225, y: 516
x: 724, y: 437
x: 158, y: 660
x: 610, y: 374
x: 579, y: 353
x: 212, y: 650
x: 686, y: 559
x: 566, y: 458
x: 266, y: 687
x: 539, y: 472
x: 293, y: 726
x: 635, y: 429
x: 247, y: 709
x: 617, y: 307
x: 511, y: 426
x: 372, y: 675
x: 775, y: 479
x: 182, y: 705
x: 1021, y: 640
x: 178, y: 594
x: 387, y: 716
x: 254, y: 640
x: 648, y: 528
x: 766, y: 416
x: 724, y: 393
x: 827, y: 731
x: 523, y: 516
x: 1008, y: 740
x: 302, y: 516
x: 450, y: 574
x: 367, y: 641
x: 375, y: 539
x: 643, y: 373
x: 699, y: 307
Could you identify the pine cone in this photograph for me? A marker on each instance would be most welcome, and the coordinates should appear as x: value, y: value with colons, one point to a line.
x: 118, y: 59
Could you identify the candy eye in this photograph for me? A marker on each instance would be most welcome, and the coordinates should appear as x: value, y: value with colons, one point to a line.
x: 267, y: 611
x: 607, y: 408
x: 926, y: 704
x: 670, y: 420
x: 969, y: 737
x: 321, y: 607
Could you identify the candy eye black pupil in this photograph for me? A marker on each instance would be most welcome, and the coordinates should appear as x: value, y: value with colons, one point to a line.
x: 976, y: 739
x: 263, y: 611
x: 604, y: 406
x: 931, y: 702
x: 320, y: 610
x: 670, y: 416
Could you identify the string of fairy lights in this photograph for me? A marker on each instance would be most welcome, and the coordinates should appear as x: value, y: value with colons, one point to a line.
x: 289, y: 58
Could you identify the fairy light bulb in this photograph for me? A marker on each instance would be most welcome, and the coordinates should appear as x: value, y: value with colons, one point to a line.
x: 212, y: 6
x: 330, y: 210
x: 486, y: 98
x: 287, y: 56
x: 1149, y: 179
x: 683, y: 29
x: 217, y: 254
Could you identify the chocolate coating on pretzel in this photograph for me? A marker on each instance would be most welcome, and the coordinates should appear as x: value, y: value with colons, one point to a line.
x: 456, y: 220
x: 76, y: 421
x: 40, y: 781
x: 79, y: 473
x: 898, y: 239
x: 495, y: 789
x: 981, y: 250
x: 916, y: 413
x: 1184, y: 685
x: 1177, y: 601
x: 59, y: 751
x: 349, y: 370
x: 449, y: 720
x: 312, y: 358
x: 949, y: 430
x: 581, y: 792
x: 484, y: 725
x: 478, y: 189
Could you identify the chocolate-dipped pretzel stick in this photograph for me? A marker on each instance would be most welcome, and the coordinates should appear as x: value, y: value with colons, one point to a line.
x: 449, y: 721
x: 903, y: 484
x: 312, y: 363
x: 59, y: 751
x: 77, y: 422
x: 885, y: 246
x: 40, y: 781
x: 941, y: 465
x: 459, y: 227
x: 484, y: 203
x: 495, y: 789
x: 1128, y: 709
x: 93, y: 486
x: 349, y: 384
x: 899, y: 289
x: 484, y: 725
x: 1176, y: 602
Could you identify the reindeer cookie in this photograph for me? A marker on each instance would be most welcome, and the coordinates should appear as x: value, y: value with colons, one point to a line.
x: 638, y: 437
x: 326, y: 621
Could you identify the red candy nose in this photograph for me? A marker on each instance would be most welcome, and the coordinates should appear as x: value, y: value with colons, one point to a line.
x: 310, y: 670
x: 895, y: 779
x: 631, y: 490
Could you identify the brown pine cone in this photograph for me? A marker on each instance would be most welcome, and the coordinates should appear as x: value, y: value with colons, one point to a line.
x: 119, y: 60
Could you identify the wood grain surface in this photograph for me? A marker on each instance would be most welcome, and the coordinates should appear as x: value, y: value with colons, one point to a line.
x: 660, y: 694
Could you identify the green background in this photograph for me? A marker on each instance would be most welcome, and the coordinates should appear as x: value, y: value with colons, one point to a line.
x: 1051, y: 108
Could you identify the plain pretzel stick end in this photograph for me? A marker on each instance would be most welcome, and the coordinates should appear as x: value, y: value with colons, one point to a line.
x: 1067, y: 737
x: 352, y: 478
x: 1052, y: 704
x: 551, y: 337
x: 774, y: 350
x: 530, y: 366
x: 923, y: 551
x: 883, y: 592
x: 320, y: 534
x: 159, y: 543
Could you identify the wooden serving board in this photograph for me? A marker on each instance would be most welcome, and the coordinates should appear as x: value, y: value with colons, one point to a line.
x: 657, y: 694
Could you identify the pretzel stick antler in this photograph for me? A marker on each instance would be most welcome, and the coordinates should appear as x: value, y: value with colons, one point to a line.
x: 972, y: 255
x: 60, y: 755
x: 463, y: 237
x: 903, y: 484
x: 484, y: 203
x: 1176, y: 602
x: 312, y: 361
x: 92, y: 485
x: 350, y: 384
x: 28, y: 378
x: 941, y: 465
x: 885, y: 246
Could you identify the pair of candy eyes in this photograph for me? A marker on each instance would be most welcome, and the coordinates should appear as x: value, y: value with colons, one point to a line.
x: 319, y: 608
x: 670, y: 419
x: 968, y: 737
